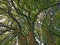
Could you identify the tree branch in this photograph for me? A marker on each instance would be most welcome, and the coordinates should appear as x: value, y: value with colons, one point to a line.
x: 43, y: 10
x: 2, y: 9
x: 17, y: 10
x: 3, y: 31
x: 3, y: 25
x: 11, y: 15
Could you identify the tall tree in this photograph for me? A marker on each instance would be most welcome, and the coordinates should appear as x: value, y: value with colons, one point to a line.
x: 29, y: 10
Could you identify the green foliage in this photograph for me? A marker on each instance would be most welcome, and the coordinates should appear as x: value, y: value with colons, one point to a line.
x: 22, y: 12
x: 58, y: 41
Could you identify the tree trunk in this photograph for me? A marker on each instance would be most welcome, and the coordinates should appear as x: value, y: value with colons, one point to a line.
x: 31, y: 37
x: 50, y: 38
x: 21, y: 38
x: 32, y: 40
x: 41, y: 37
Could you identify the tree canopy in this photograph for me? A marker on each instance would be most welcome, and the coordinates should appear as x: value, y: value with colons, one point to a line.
x: 23, y: 22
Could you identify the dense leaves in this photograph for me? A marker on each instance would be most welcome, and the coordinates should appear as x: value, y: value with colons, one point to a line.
x: 23, y: 17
